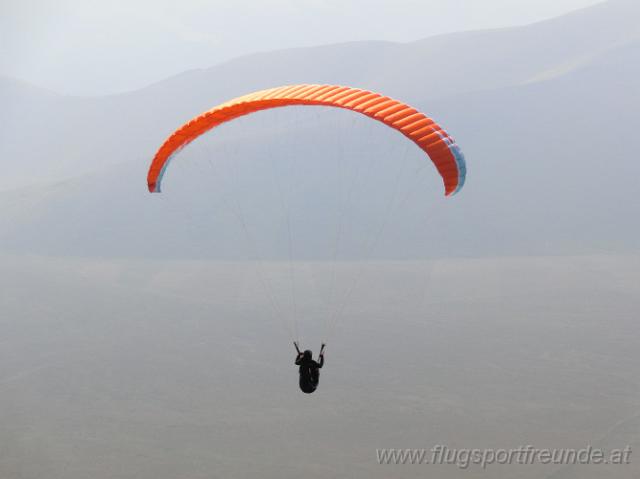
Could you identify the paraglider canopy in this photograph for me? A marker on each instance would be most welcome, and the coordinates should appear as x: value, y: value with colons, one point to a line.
x: 422, y: 130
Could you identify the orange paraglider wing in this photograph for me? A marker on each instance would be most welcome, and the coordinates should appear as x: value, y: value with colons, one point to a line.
x: 423, y: 131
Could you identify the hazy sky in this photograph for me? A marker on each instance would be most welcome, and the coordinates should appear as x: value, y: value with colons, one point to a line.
x: 91, y: 47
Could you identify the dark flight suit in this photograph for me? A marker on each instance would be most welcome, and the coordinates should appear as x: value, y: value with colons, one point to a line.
x: 309, y: 372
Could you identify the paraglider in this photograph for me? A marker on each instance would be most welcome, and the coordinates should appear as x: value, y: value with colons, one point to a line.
x: 430, y: 137
x: 309, y: 370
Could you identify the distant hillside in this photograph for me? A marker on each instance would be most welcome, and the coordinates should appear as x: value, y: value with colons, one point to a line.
x: 547, y: 115
x: 50, y: 137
